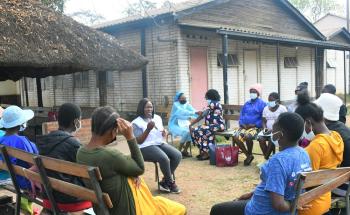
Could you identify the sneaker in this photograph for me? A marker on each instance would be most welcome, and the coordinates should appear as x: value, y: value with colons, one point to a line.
x: 164, y: 187
x: 174, y: 188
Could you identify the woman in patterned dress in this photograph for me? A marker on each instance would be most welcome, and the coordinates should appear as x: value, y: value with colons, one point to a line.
x: 204, y: 135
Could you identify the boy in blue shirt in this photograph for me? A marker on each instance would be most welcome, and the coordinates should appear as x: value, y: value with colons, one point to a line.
x: 273, y: 196
x: 250, y: 122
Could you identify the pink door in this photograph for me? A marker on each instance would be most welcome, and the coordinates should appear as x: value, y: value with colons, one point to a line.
x: 199, y: 76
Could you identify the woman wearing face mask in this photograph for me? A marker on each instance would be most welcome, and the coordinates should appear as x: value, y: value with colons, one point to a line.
x: 325, y: 149
x: 150, y: 133
x: 204, y: 134
x: 14, y: 120
x: 270, y: 114
x: 62, y: 144
x: 120, y: 173
x: 181, y: 114
x: 276, y: 191
x: 250, y: 122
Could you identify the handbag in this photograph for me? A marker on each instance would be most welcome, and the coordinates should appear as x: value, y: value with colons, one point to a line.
x: 226, y: 155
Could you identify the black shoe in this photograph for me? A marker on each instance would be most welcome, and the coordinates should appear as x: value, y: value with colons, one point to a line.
x: 174, y: 188
x: 186, y: 155
x: 164, y: 187
x: 248, y: 160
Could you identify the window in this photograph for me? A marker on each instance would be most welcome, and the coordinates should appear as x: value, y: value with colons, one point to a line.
x: 331, y: 63
x: 290, y: 62
x: 81, y: 80
x: 109, y: 81
x: 59, y: 82
x: 232, y: 60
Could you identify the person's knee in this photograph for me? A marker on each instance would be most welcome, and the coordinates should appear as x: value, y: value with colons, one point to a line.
x: 215, y: 210
x: 163, y: 160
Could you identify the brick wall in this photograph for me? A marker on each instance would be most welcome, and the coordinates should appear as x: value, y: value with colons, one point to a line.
x: 84, y: 134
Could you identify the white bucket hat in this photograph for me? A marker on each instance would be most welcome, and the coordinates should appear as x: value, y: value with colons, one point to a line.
x: 14, y: 116
x: 330, y: 105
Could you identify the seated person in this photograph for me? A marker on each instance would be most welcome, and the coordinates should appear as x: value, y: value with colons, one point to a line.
x: 278, y: 175
x: 270, y: 114
x: 325, y: 149
x: 149, y: 132
x: 61, y: 144
x: 204, y: 135
x: 330, y: 105
x: 330, y: 88
x: 181, y: 114
x: 250, y: 122
x: 120, y: 173
x: 14, y: 120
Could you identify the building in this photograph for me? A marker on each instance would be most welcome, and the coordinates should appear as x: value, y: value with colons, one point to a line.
x: 334, y: 28
x: 266, y: 41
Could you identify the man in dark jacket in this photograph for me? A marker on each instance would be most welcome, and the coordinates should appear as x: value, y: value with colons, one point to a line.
x: 330, y: 105
x: 330, y: 88
x: 61, y: 144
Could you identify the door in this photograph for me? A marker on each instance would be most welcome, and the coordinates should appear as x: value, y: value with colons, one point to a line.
x: 250, y: 71
x: 199, y: 76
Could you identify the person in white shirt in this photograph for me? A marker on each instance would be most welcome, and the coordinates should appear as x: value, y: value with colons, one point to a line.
x: 149, y: 132
x: 270, y: 114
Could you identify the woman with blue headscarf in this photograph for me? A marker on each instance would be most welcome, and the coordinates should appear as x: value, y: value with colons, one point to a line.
x: 181, y: 114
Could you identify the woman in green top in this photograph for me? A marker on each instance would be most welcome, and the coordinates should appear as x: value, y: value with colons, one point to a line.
x: 115, y: 167
x: 128, y: 192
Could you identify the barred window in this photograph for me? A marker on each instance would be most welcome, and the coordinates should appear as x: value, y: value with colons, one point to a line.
x: 81, y: 80
x: 109, y: 81
x: 232, y: 60
x: 290, y: 62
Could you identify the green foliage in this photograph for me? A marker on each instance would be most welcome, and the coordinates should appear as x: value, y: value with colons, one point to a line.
x: 57, y: 5
x: 140, y: 8
x: 315, y: 9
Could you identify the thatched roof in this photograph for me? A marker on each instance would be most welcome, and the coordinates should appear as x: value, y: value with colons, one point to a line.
x: 36, y: 41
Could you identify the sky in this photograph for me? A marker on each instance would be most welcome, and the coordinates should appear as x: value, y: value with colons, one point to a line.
x: 111, y: 9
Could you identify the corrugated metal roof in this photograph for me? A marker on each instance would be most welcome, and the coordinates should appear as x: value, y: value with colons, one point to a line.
x: 155, y: 12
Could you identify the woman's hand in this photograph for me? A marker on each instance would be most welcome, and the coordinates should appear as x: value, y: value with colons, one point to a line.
x: 125, y: 128
x: 164, y: 133
x: 199, y: 113
x: 137, y: 182
x: 304, y: 207
x: 150, y: 125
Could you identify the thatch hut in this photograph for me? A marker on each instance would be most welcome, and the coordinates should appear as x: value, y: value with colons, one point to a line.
x: 37, y: 42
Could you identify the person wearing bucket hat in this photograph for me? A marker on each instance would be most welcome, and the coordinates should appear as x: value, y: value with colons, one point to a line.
x: 2, y: 132
x: 250, y: 122
x: 13, y: 121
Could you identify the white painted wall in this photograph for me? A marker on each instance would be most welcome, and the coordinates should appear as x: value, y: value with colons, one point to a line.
x: 336, y: 75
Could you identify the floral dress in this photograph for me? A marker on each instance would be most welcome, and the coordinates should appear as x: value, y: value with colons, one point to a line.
x: 203, y: 135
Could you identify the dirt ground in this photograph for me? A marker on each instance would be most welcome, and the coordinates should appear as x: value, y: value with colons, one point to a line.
x: 204, y: 185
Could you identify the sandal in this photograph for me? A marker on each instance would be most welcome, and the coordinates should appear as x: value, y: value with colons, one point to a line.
x: 248, y: 160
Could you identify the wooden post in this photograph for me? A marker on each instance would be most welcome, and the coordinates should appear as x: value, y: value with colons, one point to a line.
x: 225, y: 54
x: 144, y: 69
x: 26, y: 90
x: 39, y: 92
x: 319, y: 61
x: 102, y: 86
x: 345, y: 77
x: 278, y: 56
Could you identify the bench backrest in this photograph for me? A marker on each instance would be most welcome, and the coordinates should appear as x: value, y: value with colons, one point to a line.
x: 163, y: 112
x: 231, y: 112
x: 42, y: 163
x: 321, y: 182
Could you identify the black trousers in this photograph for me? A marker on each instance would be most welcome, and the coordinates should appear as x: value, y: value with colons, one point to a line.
x: 229, y: 208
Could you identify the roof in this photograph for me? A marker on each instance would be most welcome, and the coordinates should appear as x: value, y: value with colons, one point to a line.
x: 193, y: 6
x: 155, y: 12
x: 36, y: 41
x: 327, y: 15
x: 274, y: 38
x: 342, y: 32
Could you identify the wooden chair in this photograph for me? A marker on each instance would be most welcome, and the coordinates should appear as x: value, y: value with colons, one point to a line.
x: 91, y: 175
x: 320, y: 182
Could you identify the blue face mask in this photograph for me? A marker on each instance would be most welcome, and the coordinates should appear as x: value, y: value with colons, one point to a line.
x: 253, y: 96
x: 272, y: 104
x: 209, y: 101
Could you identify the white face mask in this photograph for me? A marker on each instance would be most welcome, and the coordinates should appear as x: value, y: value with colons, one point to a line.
x: 272, y: 104
x: 309, y: 136
x: 77, y: 124
x: 253, y: 96
x: 23, y: 127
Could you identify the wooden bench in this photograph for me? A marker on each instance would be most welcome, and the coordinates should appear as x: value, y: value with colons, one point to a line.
x: 230, y: 112
x: 90, y: 175
x: 320, y: 182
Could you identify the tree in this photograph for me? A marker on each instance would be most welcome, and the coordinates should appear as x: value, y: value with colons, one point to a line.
x: 57, y: 5
x: 140, y: 8
x: 314, y: 9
